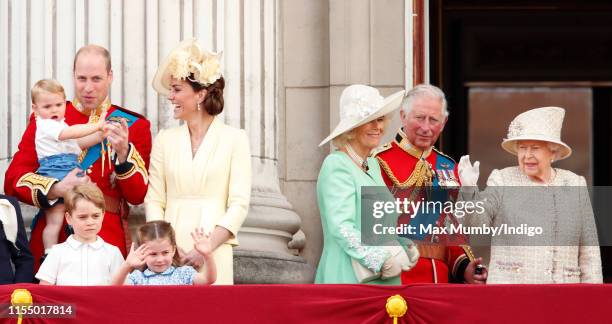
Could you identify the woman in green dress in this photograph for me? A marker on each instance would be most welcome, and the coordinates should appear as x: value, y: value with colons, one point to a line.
x: 345, y: 259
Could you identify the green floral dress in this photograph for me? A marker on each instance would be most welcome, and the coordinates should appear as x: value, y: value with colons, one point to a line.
x: 339, y: 198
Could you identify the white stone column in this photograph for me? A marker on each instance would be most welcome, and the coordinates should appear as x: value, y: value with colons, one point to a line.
x: 38, y: 39
x: 245, y: 32
x: 264, y: 255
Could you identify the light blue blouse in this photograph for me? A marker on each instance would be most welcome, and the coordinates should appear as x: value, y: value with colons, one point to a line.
x: 172, y: 276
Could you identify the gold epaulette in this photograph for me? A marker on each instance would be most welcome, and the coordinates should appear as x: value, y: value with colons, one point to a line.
x: 440, y: 152
x: 381, y: 149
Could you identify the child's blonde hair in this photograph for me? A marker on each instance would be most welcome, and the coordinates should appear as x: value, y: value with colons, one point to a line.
x: 154, y: 230
x: 47, y: 85
x: 87, y: 191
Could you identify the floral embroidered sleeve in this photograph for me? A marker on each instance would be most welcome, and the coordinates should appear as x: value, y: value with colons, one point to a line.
x: 339, y: 203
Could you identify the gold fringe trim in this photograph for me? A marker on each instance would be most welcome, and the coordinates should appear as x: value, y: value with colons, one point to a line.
x: 421, y: 176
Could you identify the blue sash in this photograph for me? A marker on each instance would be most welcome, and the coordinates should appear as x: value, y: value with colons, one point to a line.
x: 432, y: 194
x: 93, y: 153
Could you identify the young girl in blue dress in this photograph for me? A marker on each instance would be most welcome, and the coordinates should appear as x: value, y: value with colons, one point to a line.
x: 157, y: 253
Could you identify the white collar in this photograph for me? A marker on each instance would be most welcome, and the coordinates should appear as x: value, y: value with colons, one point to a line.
x: 75, y: 244
x: 149, y: 273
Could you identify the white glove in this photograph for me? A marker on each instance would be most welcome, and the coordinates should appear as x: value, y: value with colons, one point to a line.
x: 400, y: 260
x: 412, y: 256
x: 404, y: 261
x: 468, y: 173
x: 391, y: 268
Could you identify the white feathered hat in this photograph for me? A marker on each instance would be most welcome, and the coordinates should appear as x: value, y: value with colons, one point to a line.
x: 360, y: 104
x: 185, y: 60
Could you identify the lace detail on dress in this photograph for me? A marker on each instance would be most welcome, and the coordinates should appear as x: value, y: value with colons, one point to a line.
x: 374, y: 257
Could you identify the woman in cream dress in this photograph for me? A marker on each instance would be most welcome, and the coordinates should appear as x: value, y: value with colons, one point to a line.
x: 200, y: 173
x: 536, y: 194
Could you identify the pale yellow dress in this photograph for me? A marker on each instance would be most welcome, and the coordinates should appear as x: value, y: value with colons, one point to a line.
x: 211, y: 189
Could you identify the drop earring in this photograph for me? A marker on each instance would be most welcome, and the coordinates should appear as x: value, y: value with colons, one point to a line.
x: 199, y: 107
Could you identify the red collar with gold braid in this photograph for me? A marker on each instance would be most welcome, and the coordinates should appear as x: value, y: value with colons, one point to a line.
x: 405, y: 165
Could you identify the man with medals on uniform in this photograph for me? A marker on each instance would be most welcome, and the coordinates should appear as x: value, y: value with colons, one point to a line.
x: 417, y: 171
x: 118, y: 165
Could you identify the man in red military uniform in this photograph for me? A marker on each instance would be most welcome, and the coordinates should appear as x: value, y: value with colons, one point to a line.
x: 118, y: 166
x: 411, y: 163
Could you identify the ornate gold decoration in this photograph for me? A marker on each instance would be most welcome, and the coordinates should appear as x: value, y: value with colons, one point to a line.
x: 407, y: 147
x: 94, y: 117
x: 138, y: 165
x: 381, y: 149
x: 36, y: 182
x: 421, y: 175
x: 396, y: 307
x: 468, y: 252
x: 21, y: 297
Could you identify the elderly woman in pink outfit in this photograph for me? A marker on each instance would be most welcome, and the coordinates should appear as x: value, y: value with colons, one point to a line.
x: 566, y: 250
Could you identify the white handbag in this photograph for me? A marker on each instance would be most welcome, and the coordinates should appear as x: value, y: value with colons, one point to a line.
x: 362, y: 273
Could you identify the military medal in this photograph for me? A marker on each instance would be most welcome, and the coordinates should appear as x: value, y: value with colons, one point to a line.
x: 442, y: 178
x: 452, y: 181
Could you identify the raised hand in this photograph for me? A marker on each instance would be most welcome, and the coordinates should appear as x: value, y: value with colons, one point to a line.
x: 117, y: 134
x: 136, y: 257
x: 468, y: 173
x: 102, y: 120
x: 202, y: 242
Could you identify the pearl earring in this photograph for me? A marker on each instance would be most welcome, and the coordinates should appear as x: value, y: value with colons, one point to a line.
x: 199, y: 107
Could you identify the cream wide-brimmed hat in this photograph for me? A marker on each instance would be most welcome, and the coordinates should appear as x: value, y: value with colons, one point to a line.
x: 360, y: 104
x: 540, y: 124
x: 184, y: 60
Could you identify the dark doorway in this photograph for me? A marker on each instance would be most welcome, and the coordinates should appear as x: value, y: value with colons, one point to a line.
x: 556, y: 45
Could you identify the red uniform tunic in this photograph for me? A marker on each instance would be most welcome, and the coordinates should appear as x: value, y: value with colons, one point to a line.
x: 401, y: 168
x: 120, y: 183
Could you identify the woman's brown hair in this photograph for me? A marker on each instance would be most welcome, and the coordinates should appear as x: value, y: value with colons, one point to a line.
x: 213, y: 102
x: 154, y: 230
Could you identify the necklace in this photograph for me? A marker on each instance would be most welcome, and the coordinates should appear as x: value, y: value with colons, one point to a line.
x: 362, y: 163
x: 194, y: 149
x: 195, y: 141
